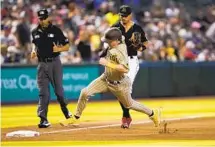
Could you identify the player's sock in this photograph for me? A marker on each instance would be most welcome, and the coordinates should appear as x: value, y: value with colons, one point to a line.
x: 151, y: 114
x: 125, y: 111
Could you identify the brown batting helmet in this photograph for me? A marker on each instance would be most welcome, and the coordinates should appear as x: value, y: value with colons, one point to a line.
x: 112, y: 34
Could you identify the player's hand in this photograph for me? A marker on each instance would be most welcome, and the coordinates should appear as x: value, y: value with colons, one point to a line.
x: 103, y: 61
x: 56, y: 48
x: 33, y: 54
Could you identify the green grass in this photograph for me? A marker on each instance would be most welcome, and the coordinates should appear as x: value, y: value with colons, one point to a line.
x: 13, y: 116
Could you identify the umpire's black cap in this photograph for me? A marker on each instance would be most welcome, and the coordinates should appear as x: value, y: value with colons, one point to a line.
x: 125, y: 10
x: 112, y: 34
x: 43, y: 14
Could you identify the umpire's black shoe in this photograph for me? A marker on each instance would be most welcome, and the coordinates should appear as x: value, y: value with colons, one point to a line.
x: 66, y: 112
x: 44, y: 124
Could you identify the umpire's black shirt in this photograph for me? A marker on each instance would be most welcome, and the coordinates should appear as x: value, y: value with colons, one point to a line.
x: 44, y: 38
x: 135, y: 28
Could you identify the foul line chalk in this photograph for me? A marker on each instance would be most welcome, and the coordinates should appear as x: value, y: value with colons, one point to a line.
x: 115, y: 125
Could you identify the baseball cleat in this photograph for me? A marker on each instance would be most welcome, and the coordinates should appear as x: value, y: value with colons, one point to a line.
x: 124, y: 124
x: 44, y: 124
x: 129, y: 119
x: 70, y: 121
x: 156, y: 117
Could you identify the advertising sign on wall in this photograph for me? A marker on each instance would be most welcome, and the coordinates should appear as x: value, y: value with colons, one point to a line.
x: 18, y: 84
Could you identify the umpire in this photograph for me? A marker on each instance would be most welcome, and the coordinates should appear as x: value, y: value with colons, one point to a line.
x: 49, y: 41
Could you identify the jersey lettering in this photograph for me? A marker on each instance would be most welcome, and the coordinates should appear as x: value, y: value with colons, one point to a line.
x: 113, y: 58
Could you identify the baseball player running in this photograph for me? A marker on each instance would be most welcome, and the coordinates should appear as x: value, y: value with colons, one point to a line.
x: 135, y: 40
x: 114, y: 79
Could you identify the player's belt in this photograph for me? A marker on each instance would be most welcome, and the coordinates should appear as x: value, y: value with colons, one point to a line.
x: 113, y: 82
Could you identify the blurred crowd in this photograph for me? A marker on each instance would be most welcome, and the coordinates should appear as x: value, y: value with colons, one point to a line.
x: 174, y: 33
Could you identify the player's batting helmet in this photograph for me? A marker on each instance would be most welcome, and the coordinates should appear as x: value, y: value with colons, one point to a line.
x: 112, y: 34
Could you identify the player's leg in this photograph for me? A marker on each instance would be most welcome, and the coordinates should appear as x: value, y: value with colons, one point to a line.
x: 134, y: 105
x: 56, y: 78
x: 44, y: 95
x: 99, y: 85
x: 126, y: 117
x: 125, y: 98
x: 133, y: 70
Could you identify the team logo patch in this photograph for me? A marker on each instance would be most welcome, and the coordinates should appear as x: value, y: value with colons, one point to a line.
x: 41, y: 12
x: 123, y: 10
x: 51, y: 35
x: 37, y: 36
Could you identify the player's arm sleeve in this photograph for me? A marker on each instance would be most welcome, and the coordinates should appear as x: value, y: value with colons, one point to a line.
x: 119, y: 66
x: 103, y: 53
x: 61, y: 39
x: 143, y: 35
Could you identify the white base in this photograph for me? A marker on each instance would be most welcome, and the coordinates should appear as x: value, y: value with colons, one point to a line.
x: 23, y: 133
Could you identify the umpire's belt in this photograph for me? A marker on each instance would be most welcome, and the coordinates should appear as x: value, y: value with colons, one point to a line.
x: 50, y: 59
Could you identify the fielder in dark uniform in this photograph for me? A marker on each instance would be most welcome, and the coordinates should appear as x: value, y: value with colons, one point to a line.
x: 135, y: 40
x: 49, y: 41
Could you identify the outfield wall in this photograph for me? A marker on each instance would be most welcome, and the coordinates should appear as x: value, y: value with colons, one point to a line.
x: 19, y: 85
x: 160, y: 79
x: 175, y: 79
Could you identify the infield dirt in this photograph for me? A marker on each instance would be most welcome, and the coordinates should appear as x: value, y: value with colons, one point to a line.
x: 187, y: 129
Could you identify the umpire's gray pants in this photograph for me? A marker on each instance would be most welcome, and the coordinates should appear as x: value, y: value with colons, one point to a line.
x: 50, y: 72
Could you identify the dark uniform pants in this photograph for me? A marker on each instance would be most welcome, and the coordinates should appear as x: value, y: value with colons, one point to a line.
x: 50, y: 72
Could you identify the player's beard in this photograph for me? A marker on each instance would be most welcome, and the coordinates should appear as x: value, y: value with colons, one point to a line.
x: 124, y: 22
